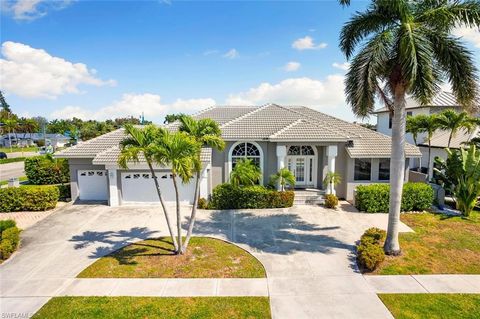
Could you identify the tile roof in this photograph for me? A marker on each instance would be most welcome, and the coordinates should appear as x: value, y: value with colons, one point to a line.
x: 440, y: 138
x: 110, y: 156
x: 268, y: 122
x: 443, y: 99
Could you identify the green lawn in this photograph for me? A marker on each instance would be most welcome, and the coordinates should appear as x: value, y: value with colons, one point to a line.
x: 432, y: 306
x: 12, y: 160
x: 440, y: 245
x: 19, y: 149
x: 153, y: 258
x: 155, y: 307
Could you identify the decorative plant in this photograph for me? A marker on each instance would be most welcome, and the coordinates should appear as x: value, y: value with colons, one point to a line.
x: 283, y: 177
x: 245, y: 173
x: 331, y: 180
x: 331, y: 201
x: 453, y: 121
x: 461, y: 171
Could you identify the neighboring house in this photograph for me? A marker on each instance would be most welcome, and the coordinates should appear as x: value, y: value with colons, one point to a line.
x: 307, y: 142
x: 444, y: 100
x: 27, y: 139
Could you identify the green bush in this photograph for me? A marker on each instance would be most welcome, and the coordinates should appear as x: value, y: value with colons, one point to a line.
x: 12, y: 234
x: 202, y: 203
x: 4, y: 224
x: 42, y: 170
x: 64, y: 192
x: 374, y: 198
x: 370, y: 252
x: 227, y: 196
x: 6, y: 249
x: 331, y: 201
x: 369, y: 256
x: 28, y: 198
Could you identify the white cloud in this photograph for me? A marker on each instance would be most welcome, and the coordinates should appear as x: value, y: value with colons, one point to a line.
x: 292, y: 66
x: 33, y: 73
x: 210, y: 52
x: 133, y: 105
x: 321, y: 94
x: 342, y: 66
x: 468, y: 34
x: 307, y: 43
x: 231, y: 54
x: 32, y: 9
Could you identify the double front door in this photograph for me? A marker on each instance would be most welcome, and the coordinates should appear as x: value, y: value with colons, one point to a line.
x: 303, y: 169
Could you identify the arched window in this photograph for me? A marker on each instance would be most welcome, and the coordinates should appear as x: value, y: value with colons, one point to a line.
x: 301, y: 150
x: 245, y: 150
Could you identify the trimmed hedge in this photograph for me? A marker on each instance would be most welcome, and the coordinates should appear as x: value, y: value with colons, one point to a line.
x: 374, y: 198
x: 370, y: 252
x: 227, y: 196
x: 9, y: 238
x: 28, y: 198
x: 42, y: 171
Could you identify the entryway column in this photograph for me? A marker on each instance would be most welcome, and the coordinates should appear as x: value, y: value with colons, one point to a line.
x: 112, y: 187
x: 281, y: 154
x: 332, y: 152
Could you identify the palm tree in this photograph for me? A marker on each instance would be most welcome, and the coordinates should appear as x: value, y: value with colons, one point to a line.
x: 207, y: 133
x: 408, y: 46
x: 451, y: 120
x: 284, y: 176
x: 10, y: 125
x: 413, y: 127
x: 179, y: 151
x: 245, y: 173
x: 140, y: 142
x: 331, y: 180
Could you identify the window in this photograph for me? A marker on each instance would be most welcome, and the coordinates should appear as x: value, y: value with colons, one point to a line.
x: 363, y: 169
x: 301, y: 150
x: 409, y: 114
x: 384, y: 169
x: 246, y: 150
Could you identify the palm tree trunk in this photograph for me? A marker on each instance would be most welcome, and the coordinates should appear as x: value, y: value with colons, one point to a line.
x: 194, y: 213
x: 179, y: 217
x: 397, y: 172
x: 429, y: 156
x: 160, y: 197
x: 450, y: 138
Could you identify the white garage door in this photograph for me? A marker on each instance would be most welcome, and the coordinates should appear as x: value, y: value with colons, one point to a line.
x: 92, y: 184
x: 140, y: 187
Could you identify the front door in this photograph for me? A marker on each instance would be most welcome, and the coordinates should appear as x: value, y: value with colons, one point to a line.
x: 302, y: 168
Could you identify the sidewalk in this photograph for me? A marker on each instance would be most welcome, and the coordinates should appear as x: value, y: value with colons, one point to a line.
x: 425, y: 283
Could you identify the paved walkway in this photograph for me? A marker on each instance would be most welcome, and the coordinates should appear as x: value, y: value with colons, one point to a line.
x: 308, y: 253
x: 28, y: 219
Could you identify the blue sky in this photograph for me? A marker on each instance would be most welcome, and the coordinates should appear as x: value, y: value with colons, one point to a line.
x: 103, y: 59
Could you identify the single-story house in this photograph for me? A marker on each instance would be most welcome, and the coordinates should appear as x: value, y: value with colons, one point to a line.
x: 307, y: 142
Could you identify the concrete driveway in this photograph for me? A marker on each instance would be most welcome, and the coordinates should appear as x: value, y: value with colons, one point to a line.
x: 307, y: 252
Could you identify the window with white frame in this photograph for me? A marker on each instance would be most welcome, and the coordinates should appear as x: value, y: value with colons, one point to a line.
x: 306, y: 150
x: 384, y: 169
x: 246, y: 150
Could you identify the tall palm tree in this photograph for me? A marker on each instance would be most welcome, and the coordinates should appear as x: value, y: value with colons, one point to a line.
x: 10, y: 125
x: 429, y: 124
x: 408, y: 46
x: 141, y: 141
x: 207, y: 133
x: 178, y: 151
x: 453, y: 121
x: 413, y: 127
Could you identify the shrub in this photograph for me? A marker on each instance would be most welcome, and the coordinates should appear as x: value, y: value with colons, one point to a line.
x: 374, y: 198
x: 202, y: 203
x: 43, y: 170
x: 6, y: 249
x: 4, y: 224
x: 64, y: 192
x: 331, y: 201
x: 370, y: 252
x: 369, y: 256
x: 28, y: 198
x: 373, y: 235
x: 227, y: 196
x: 12, y: 234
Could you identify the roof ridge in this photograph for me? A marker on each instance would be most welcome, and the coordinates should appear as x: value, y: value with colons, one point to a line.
x: 289, y: 126
x: 90, y: 141
x: 324, y: 124
x: 245, y: 115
